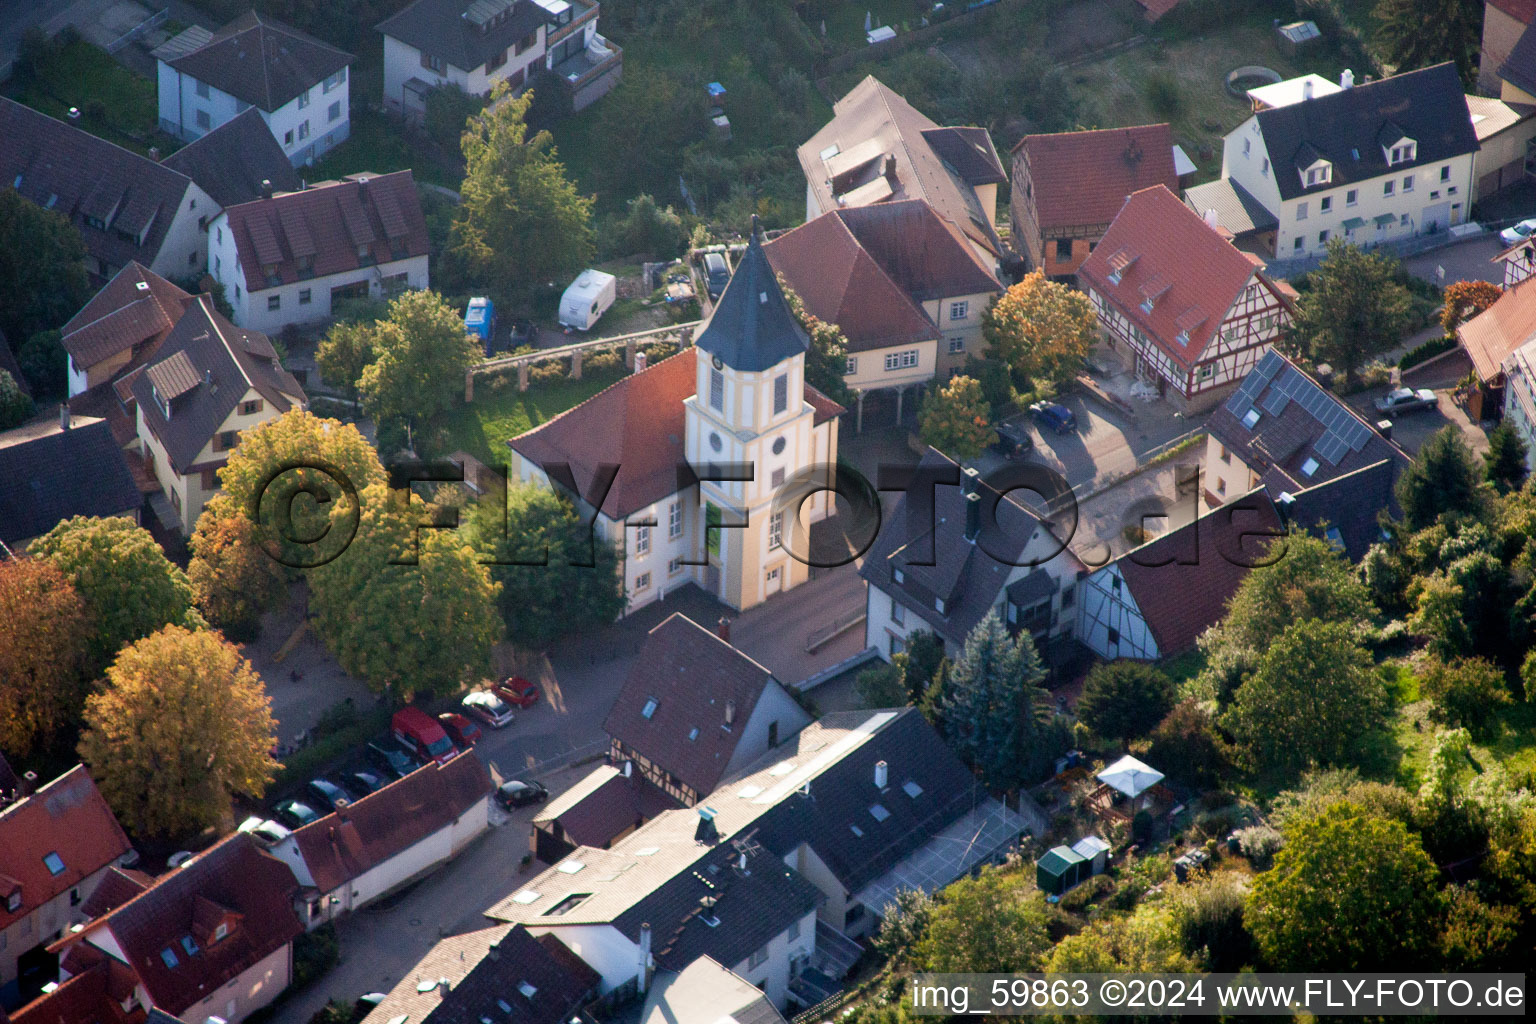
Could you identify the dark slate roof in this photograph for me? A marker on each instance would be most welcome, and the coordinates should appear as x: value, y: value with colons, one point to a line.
x: 1520, y: 69
x: 134, y: 307
x: 60, y: 167
x: 211, y: 363
x: 752, y: 328
x: 1300, y: 425
x: 231, y: 162
x: 1349, y: 504
x: 1428, y: 106
x: 560, y: 985
x: 1236, y: 208
x: 962, y: 574
x: 843, y: 795
x: 1182, y: 580
x: 62, y: 473
x: 261, y: 61
x: 693, y: 676
x: 440, y: 29
x: 969, y: 151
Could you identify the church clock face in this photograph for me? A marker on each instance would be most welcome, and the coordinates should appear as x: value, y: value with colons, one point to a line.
x: 717, y: 363
x: 714, y: 441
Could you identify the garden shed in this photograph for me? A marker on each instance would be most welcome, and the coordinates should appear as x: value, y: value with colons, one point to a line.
x: 1060, y: 869
x: 1095, y: 852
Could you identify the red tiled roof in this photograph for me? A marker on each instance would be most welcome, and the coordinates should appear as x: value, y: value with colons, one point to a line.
x: 94, y: 996
x: 1494, y: 334
x: 636, y: 423
x: 1183, y: 580
x: 1523, y: 11
x: 1165, y: 250
x: 346, y: 843
x: 115, y: 888
x: 693, y: 676
x: 69, y: 818
x: 135, y: 305
x: 328, y: 223
x: 1079, y: 179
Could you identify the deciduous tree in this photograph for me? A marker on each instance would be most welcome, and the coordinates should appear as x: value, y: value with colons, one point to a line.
x: 956, y: 419
x: 1310, y: 580
x: 45, y: 364
x: 345, y: 352
x: 1188, y: 746
x: 1464, y: 300
x: 993, y: 922
x: 827, y: 359
x: 1443, y: 477
x: 129, y: 587
x: 42, y: 268
x: 1147, y: 940
x: 233, y: 579
x: 421, y: 353
x: 15, y: 404
x: 42, y: 654
x: 1041, y: 329
x: 1349, y: 892
x: 522, y: 225
x: 1467, y: 691
x: 183, y: 724
x: 1353, y: 308
x: 1125, y: 699
x: 426, y: 626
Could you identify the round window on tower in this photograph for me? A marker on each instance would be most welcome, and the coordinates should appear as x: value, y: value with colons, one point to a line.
x: 714, y: 441
x: 717, y: 363
x: 778, y: 446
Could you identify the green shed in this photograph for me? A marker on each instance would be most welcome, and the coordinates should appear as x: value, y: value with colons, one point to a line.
x: 1060, y: 869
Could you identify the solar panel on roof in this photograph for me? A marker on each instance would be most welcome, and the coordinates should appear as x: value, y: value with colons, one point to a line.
x: 267, y: 250
x: 1239, y: 405
x: 1276, y: 402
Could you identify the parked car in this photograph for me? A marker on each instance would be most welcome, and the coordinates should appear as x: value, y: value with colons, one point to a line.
x: 489, y: 708
x: 517, y: 691
x: 360, y: 784
x: 520, y: 793
x: 524, y: 332
x: 179, y: 858
x: 459, y: 729
x: 327, y: 794
x: 1054, y: 417
x: 264, y: 830
x: 422, y: 735
x: 1519, y: 232
x: 716, y: 274
x: 390, y: 758
x: 1013, y: 441
x: 296, y: 813
x: 365, y: 1005
x: 1406, y: 400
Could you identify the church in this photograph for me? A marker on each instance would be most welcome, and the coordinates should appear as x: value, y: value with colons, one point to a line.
x: 738, y: 395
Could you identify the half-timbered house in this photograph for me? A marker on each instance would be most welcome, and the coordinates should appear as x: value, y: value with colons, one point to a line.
x: 1519, y: 262
x: 1194, y: 313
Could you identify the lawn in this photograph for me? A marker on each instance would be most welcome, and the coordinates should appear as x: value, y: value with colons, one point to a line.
x: 1511, y: 742
x: 483, y: 427
x: 845, y: 21
x: 116, y: 104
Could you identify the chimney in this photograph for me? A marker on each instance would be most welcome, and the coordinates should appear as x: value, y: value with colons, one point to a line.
x: 28, y: 784
x: 970, y: 481
x: 1212, y: 220
x: 442, y: 986
x: 723, y: 629
x: 1306, y: 89
x: 1347, y: 79
x: 882, y: 774
x: 64, y: 415
x: 639, y: 362
x: 730, y: 713
x: 643, y: 977
x: 1384, y: 428
x: 362, y: 186
x: 266, y: 188
x: 706, y: 832
x: 890, y: 168
x: 154, y: 153
x: 1284, y: 504
x: 208, y: 377
x: 972, y: 516
x: 629, y: 767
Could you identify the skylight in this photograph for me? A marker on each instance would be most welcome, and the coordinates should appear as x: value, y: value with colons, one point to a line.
x: 856, y: 830
x: 782, y: 768
x: 188, y: 945
x: 649, y: 709
x: 526, y: 897
x: 1309, y: 467
x: 570, y: 867
x: 693, y: 733
x: 748, y: 792
x: 649, y: 851
x: 168, y: 955
x: 878, y: 812
x: 527, y: 990
x: 426, y: 985
x: 568, y: 904
x: 504, y: 1006
x: 1250, y: 418
x: 54, y: 863
x: 912, y: 789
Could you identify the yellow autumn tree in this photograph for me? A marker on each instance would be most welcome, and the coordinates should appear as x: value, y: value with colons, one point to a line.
x: 183, y: 724
x: 956, y: 419
x: 1042, y: 330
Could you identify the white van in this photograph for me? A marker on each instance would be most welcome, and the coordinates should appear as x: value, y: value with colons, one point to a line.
x: 587, y: 299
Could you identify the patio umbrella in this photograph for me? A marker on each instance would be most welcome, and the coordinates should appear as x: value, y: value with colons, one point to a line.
x: 1130, y: 776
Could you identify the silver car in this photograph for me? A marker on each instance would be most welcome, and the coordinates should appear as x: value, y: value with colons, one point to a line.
x: 1406, y: 400
x: 487, y: 707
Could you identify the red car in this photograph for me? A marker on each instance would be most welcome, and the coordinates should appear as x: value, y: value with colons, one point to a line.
x: 459, y: 729
x: 517, y: 691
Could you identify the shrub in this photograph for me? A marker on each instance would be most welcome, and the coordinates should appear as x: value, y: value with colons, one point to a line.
x: 1376, y: 375
x: 550, y: 369
x: 1094, y: 888
x: 1140, y: 875
x: 602, y: 362
x: 1260, y: 843
x: 1141, y: 826
x: 335, y: 1011
x: 1163, y: 96
x: 659, y: 351
x: 307, y: 763
x: 315, y: 953
x: 1428, y: 350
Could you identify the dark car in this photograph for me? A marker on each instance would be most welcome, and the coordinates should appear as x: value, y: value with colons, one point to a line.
x: 517, y: 691
x: 461, y: 730
x: 1013, y: 441
x: 520, y: 793
x: 524, y: 332
x: 327, y: 794
x: 716, y: 273
x: 296, y: 813
x: 360, y: 784
x: 390, y: 758
x: 1053, y: 417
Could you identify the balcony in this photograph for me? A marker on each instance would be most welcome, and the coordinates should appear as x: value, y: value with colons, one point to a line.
x: 581, y: 13
x: 587, y: 65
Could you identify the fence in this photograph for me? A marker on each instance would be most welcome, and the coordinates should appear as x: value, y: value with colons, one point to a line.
x: 1402, y: 248
x: 153, y: 21
x: 683, y: 333
x: 1102, y: 482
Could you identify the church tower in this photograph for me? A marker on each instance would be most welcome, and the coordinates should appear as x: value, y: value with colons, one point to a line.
x: 750, y: 406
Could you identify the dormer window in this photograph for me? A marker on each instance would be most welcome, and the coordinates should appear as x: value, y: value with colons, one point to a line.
x: 1404, y: 152
x: 1320, y: 173
x: 13, y: 900
x: 220, y: 930
x: 1146, y: 304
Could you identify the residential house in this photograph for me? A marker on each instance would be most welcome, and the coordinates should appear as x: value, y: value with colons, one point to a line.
x: 1068, y: 186
x: 214, y: 938
x: 1504, y: 134
x: 1520, y: 396
x: 906, y: 288
x: 237, y: 162
x: 102, y: 993
x: 598, y: 810
x: 127, y: 208
x: 1156, y: 600
x: 784, y: 860
x: 694, y: 709
x: 1504, y: 23
x: 56, y: 845
x: 1490, y: 338
x: 501, y: 973
x: 1373, y: 162
x: 945, y: 559
x: 1519, y: 262
x: 706, y: 993
x: 297, y: 83
x: 120, y: 327
x: 1194, y: 312
x: 388, y: 839
x: 878, y: 148
x: 737, y: 395
x: 289, y: 259
x: 209, y: 380
x: 59, y: 469
x: 1284, y: 432
x: 474, y: 44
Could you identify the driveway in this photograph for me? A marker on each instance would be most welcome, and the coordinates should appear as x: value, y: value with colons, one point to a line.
x: 1410, y: 431
x: 1464, y: 261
